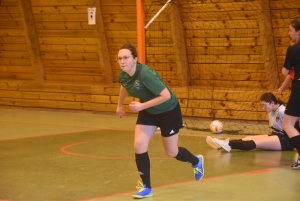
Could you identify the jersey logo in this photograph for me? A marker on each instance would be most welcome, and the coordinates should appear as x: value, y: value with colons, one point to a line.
x: 277, y: 119
x: 137, y: 84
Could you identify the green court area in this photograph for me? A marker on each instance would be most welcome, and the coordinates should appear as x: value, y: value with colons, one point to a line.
x: 93, y: 164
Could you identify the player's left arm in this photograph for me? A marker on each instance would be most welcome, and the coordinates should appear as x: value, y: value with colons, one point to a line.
x: 285, y: 84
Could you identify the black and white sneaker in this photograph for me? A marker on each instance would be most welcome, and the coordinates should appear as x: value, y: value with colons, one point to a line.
x: 296, y: 165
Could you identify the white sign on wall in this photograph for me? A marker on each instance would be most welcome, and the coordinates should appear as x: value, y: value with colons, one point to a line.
x: 92, y: 15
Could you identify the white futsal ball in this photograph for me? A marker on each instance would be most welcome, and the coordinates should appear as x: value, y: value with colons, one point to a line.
x: 216, y: 126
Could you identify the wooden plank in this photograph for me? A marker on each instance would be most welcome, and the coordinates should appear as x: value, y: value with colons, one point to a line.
x: 67, y: 56
x: 11, y: 86
x: 12, y: 40
x: 225, y: 59
x: 110, y: 90
x: 66, y: 25
x: 211, y: 42
x: 10, y: 94
x: 57, y: 104
x: 117, y: 26
x: 74, y: 78
x: 10, y: 17
x: 64, y: 33
x: 67, y: 41
x: 14, y: 54
x: 8, y: 2
x: 221, y: 15
x: 10, y: 9
x: 16, y: 69
x: 207, y: 50
x: 59, y: 9
x: 70, y: 63
x: 12, y: 32
x: 59, y: 3
x: 231, y: 84
x: 57, y: 96
x: 218, y: 7
x: 284, y: 4
x: 15, y: 62
x: 13, y: 47
x: 32, y: 41
x: 11, y: 25
x: 226, y: 24
x: 179, y: 46
x: 16, y: 76
x: 223, y: 33
x: 119, y: 9
x: 103, y: 52
x: 69, y: 48
x: 284, y: 14
x: 230, y: 67
x: 56, y: 87
x: 197, y: 74
x: 72, y: 71
x: 61, y: 18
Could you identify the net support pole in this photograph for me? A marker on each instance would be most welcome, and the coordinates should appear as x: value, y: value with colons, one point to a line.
x: 141, y: 31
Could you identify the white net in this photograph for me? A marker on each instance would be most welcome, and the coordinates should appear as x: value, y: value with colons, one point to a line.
x: 220, y: 56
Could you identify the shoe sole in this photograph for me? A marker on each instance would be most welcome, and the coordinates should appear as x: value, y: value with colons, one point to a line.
x: 141, y: 197
x: 295, y: 168
x: 211, y: 143
x: 225, y: 148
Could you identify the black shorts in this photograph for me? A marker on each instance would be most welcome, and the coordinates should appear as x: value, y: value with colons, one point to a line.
x: 170, y: 122
x: 293, y: 105
x: 284, y: 141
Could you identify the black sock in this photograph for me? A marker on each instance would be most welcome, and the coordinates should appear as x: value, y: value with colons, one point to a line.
x: 185, y: 156
x: 242, y: 145
x: 143, y: 165
x: 295, y: 141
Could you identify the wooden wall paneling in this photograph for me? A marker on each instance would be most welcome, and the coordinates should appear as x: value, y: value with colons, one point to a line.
x: 103, y: 53
x: 179, y: 46
x: 32, y: 41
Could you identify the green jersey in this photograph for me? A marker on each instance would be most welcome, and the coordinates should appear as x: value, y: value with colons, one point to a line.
x: 146, y: 84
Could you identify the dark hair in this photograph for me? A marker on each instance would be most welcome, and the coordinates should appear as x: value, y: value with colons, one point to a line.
x: 131, y: 48
x: 296, y: 25
x: 269, y: 97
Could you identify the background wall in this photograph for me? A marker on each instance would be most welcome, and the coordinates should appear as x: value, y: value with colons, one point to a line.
x: 50, y: 58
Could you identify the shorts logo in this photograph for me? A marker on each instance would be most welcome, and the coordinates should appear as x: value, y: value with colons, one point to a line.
x: 172, y: 132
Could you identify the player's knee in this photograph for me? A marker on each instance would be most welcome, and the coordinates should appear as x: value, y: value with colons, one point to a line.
x: 171, y: 153
x: 139, y: 147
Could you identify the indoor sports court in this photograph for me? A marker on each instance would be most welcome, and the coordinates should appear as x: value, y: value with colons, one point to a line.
x: 48, y: 155
x: 60, y: 78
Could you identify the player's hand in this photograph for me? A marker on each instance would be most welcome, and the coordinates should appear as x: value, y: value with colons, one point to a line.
x: 135, y: 106
x: 120, y: 112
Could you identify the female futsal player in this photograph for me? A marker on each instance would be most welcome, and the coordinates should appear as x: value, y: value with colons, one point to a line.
x: 292, y: 111
x: 158, y: 107
x: 277, y: 140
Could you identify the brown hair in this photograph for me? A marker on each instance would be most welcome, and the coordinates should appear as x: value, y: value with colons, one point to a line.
x: 269, y: 97
x: 131, y: 48
x: 296, y: 25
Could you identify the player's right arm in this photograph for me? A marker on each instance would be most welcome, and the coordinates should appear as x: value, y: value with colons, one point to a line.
x: 122, y: 95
